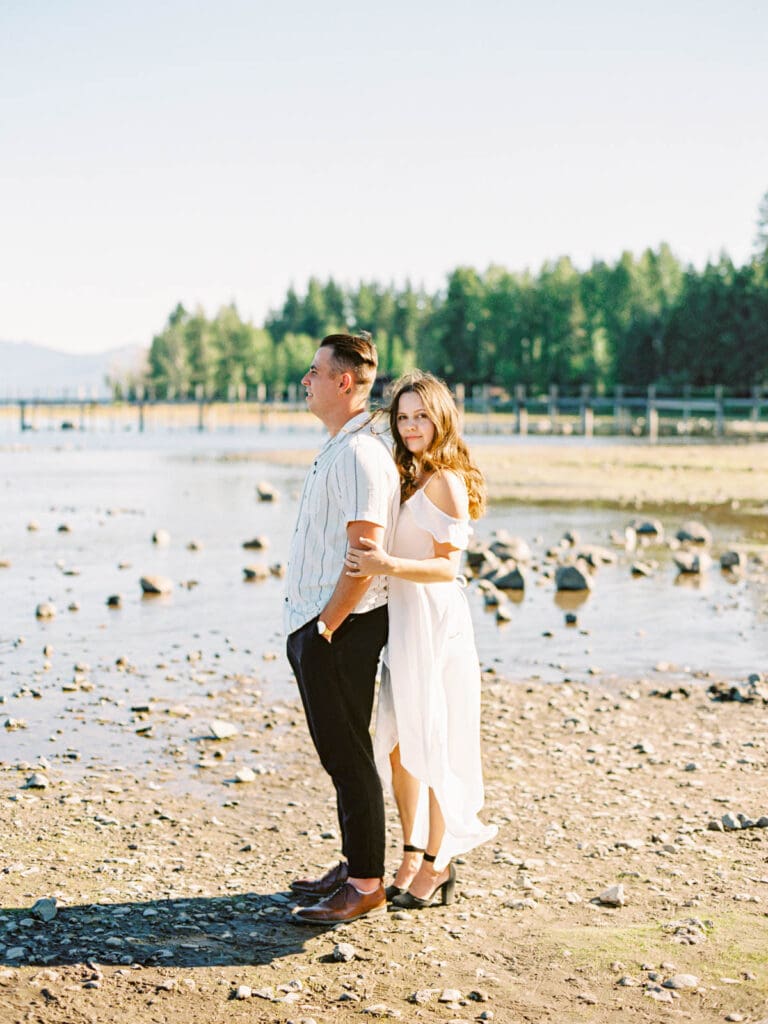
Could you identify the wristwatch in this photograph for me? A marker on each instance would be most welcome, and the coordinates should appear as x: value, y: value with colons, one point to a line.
x: 324, y: 631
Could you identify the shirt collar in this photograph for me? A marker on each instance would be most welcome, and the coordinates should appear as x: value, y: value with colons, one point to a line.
x: 350, y: 427
x: 356, y: 423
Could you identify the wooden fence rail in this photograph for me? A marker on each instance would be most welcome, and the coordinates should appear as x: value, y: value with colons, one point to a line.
x: 625, y: 413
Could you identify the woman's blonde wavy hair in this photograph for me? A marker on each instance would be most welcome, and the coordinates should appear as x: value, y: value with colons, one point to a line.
x: 447, y: 450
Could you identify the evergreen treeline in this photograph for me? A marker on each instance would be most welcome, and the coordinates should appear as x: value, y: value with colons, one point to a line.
x: 643, y: 320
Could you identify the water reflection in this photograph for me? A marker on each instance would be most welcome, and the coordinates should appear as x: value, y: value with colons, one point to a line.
x: 569, y: 600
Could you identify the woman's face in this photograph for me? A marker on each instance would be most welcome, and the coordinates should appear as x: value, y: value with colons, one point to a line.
x: 416, y: 429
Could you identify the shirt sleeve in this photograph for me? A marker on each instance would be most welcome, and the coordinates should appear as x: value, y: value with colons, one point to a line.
x: 365, y: 478
x: 444, y: 528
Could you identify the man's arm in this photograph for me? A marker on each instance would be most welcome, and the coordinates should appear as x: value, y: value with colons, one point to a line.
x: 349, y: 591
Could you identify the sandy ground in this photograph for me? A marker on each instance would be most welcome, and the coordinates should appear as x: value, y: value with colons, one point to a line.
x: 694, y: 476
x: 168, y: 905
x: 171, y: 886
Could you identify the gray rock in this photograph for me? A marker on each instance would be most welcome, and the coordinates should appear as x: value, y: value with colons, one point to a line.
x: 681, y: 981
x: 512, y: 548
x: 595, y: 555
x: 45, y: 610
x: 46, y: 909
x: 614, y: 896
x: 422, y: 996
x: 115, y: 601
x: 694, y: 532
x: 161, y: 538
x: 221, y: 730
x: 658, y: 993
x: 255, y: 573
x: 243, y: 992
x: 734, y: 560
x: 504, y: 613
x: 449, y: 995
x: 648, y: 529
x: 476, y: 555
x: 266, y: 492
x: 573, y: 577
x: 510, y: 578
x: 730, y: 822
x: 524, y: 904
x: 490, y: 568
x: 194, y: 545
x: 256, y: 543
x: 641, y: 569
x: 36, y: 781
x: 724, y: 692
x: 492, y: 598
x: 343, y: 952
x: 156, y: 584
x: 245, y: 775
x: 692, y: 561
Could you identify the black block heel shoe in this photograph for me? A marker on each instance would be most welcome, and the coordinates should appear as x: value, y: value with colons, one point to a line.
x: 396, y: 890
x: 446, y: 889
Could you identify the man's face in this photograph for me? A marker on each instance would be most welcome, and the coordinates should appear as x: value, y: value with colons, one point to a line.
x: 322, y: 385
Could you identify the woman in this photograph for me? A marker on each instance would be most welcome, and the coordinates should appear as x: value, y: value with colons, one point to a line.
x: 427, y: 741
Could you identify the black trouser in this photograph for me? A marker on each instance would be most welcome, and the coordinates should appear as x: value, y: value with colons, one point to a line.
x: 336, y: 682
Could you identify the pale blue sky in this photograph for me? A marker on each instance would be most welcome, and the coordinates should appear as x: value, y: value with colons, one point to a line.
x: 201, y: 152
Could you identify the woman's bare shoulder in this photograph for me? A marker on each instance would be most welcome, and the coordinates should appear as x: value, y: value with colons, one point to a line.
x: 448, y: 492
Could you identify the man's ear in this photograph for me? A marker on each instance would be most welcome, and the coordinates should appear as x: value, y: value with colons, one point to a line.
x: 345, y: 382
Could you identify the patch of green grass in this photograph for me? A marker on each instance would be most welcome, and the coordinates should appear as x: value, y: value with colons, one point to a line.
x: 736, y: 944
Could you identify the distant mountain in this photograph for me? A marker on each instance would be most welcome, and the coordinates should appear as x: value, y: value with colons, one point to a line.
x: 32, y: 371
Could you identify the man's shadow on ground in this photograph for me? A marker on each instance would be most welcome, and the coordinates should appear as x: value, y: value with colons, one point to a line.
x: 247, y: 929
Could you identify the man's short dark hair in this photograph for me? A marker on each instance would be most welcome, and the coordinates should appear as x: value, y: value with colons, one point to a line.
x: 353, y: 353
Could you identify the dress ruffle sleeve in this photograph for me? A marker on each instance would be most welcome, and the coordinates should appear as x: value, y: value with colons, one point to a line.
x: 444, y: 528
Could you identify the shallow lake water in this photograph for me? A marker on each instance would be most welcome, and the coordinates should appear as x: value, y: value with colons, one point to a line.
x: 114, y: 490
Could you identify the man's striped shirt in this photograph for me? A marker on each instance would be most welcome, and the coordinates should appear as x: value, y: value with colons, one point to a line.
x: 352, y: 478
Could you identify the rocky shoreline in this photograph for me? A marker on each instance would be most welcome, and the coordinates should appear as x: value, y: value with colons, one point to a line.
x: 610, y: 887
x: 630, y: 871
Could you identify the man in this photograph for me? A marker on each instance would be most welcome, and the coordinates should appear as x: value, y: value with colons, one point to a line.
x: 337, y: 624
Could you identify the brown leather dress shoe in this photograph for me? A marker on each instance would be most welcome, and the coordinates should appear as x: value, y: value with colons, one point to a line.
x: 345, y: 904
x: 324, y: 885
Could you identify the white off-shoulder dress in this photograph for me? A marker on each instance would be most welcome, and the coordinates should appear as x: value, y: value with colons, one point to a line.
x: 429, y: 700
